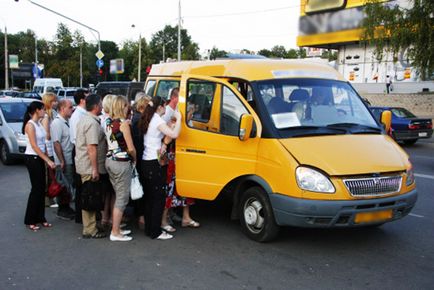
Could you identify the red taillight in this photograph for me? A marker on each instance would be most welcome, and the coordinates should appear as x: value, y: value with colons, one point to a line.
x: 429, y: 126
x: 413, y: 126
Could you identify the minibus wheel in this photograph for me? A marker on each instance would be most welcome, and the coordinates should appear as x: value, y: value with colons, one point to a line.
x: 256, y: 215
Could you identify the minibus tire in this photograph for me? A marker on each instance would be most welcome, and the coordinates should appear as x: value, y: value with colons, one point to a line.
x: 5, y: 155
x: 256, y: 215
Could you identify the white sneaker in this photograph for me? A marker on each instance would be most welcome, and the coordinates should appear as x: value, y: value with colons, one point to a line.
x: 125, y: 232
x: 164, y: 236
x: 114, y: 238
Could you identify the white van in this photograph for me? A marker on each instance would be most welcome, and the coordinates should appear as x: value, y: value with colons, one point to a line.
x: 41, y: 86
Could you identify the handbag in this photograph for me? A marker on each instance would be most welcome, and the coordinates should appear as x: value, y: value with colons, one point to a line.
x: 136, y: 189
x: 92, y: 196
x: 55, y: 188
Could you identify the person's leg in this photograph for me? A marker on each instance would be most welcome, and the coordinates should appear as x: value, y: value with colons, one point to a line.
x: 147, y: 196
x: 120, y: 176
x: 35, y: 211
x: 89, y: 223
x: 158, y: 196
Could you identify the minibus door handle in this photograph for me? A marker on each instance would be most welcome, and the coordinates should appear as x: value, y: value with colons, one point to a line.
x: 191, y: 150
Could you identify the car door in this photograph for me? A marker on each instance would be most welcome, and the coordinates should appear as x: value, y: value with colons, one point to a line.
x: 209, y: 152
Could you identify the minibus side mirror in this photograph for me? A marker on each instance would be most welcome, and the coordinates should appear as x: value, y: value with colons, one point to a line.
x: 246, y: 125
x: 386, y: 120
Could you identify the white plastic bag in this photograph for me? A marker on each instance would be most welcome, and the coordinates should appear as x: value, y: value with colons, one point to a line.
x: 136, y: 188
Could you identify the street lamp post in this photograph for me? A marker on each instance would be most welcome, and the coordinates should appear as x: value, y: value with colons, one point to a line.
x: 140, y: 55
x: 6, y: 58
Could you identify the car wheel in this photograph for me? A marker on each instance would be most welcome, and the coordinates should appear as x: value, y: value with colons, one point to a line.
x: 410, y: 142
x: 256, y: 215
x: 5, y: 155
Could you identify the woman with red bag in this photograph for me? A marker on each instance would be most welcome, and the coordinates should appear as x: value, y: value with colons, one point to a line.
x: 35, y: 158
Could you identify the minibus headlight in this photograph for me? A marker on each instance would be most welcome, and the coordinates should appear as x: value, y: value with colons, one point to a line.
x: 20, y: 136
x: 410, y: 176
x: 312, y: 180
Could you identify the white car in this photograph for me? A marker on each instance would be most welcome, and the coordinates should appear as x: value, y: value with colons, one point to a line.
x: 12, y: 141
x: 66, y: 93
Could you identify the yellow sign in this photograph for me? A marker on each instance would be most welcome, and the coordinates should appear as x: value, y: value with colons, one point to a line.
x: 376, y: 216
x: 99, y: 54
x: 321, y: 5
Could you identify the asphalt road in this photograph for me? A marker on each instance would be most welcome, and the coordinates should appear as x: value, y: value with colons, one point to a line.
x: 398, y: 255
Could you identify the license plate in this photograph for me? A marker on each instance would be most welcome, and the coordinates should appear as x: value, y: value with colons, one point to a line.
x: 370, y: 217
x: 423, y: 134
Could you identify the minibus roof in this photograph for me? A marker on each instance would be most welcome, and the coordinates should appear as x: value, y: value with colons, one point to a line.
x: 248, y: 69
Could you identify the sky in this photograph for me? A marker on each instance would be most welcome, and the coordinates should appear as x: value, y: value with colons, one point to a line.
x: 226, y: 24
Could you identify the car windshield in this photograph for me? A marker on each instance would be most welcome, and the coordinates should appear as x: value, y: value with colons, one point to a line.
x: 402, y: 113
x: 13, y: 112
x: 300, y: 107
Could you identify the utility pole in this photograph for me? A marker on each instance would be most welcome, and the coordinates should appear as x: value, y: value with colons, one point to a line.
x: 179, y: 32
x: 140, y: 57
x: 81, y: 65
x: 6, y: 60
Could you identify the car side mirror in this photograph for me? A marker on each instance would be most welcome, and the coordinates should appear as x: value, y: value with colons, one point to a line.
x: 386, y: 120
x: 246, y: 125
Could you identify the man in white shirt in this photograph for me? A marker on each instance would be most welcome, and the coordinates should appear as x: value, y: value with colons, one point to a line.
x: 80, y: 111
x: 171, y: 106
x: 60, y: 135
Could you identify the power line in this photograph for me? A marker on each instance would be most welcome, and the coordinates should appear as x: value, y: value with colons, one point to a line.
x: 243, y: 13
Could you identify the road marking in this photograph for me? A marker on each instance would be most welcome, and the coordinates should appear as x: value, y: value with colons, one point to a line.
x: 421, y: 156
x: 424, y: 176
x: 416, y: 215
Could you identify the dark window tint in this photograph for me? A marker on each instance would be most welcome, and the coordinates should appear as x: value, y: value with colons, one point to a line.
x: 150, y: 88
x: 13, y: 112
x: 402, y: 113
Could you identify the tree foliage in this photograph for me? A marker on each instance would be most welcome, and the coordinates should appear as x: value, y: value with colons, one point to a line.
x: 394, y: 29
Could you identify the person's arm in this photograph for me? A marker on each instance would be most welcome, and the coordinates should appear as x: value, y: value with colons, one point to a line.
x: 92, y: 151
x: 126, y: 131
x: 46, y: 124
x: 30, y: 131
x: 59, y: 153
x: 172, y: 133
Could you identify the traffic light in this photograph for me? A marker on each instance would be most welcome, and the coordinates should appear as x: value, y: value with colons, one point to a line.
x: 100, y: 72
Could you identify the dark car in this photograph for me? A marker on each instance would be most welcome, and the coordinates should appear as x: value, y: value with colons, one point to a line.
x: 9, y: 93
x: 406, y: 127
x: 127, y: 89
x: 30, y: 95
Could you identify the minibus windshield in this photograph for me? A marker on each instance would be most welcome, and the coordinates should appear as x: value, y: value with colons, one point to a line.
x: 315, y: 107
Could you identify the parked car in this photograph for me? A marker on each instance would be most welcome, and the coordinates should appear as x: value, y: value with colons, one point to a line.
x: 66, y: 93
x: 406, y: 127
x: 12, y: 141
x: 8, y: 93
x: 29, y: 95
x: 127, y: 89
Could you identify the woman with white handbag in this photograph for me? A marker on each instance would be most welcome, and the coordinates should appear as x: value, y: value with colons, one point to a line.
x: 121, y: 158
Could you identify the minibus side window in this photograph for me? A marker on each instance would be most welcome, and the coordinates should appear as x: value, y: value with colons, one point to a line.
x: 164, y: 88
x: 199, y: 104
x: 150, y: 88
x: 232, y: 109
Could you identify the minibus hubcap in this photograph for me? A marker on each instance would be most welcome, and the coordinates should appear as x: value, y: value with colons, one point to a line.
x: 252, y: 215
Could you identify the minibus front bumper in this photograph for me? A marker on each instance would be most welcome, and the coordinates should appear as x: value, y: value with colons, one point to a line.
x: 289, y: 211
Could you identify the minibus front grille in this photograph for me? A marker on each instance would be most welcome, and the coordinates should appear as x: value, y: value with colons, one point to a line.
x: 373, y: 186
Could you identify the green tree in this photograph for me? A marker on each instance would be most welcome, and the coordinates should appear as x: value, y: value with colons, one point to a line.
x: 167, y: 40
x: 278, y: 51
x: 292, y: 53
x: 395, y: 29
x: 265, y: 52
x: 217, y: 53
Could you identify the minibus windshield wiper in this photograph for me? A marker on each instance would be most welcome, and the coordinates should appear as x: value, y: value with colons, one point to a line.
x: 355, y: 128
x: 315, y: 131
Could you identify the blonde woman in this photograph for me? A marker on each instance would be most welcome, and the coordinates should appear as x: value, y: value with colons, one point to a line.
x: 109, y: 200
x: 121, y: 153
x: 50, y: 102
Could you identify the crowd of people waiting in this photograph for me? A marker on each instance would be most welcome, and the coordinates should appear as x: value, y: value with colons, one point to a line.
x: 95, y: 149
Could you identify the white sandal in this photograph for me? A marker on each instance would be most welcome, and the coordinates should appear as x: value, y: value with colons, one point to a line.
x: 168, y: 228
x: 190, y: 224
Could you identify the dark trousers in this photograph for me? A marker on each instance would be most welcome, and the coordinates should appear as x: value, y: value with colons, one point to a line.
x: 155, y: 197
x: 35, y: 211
x: 77, y: 184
